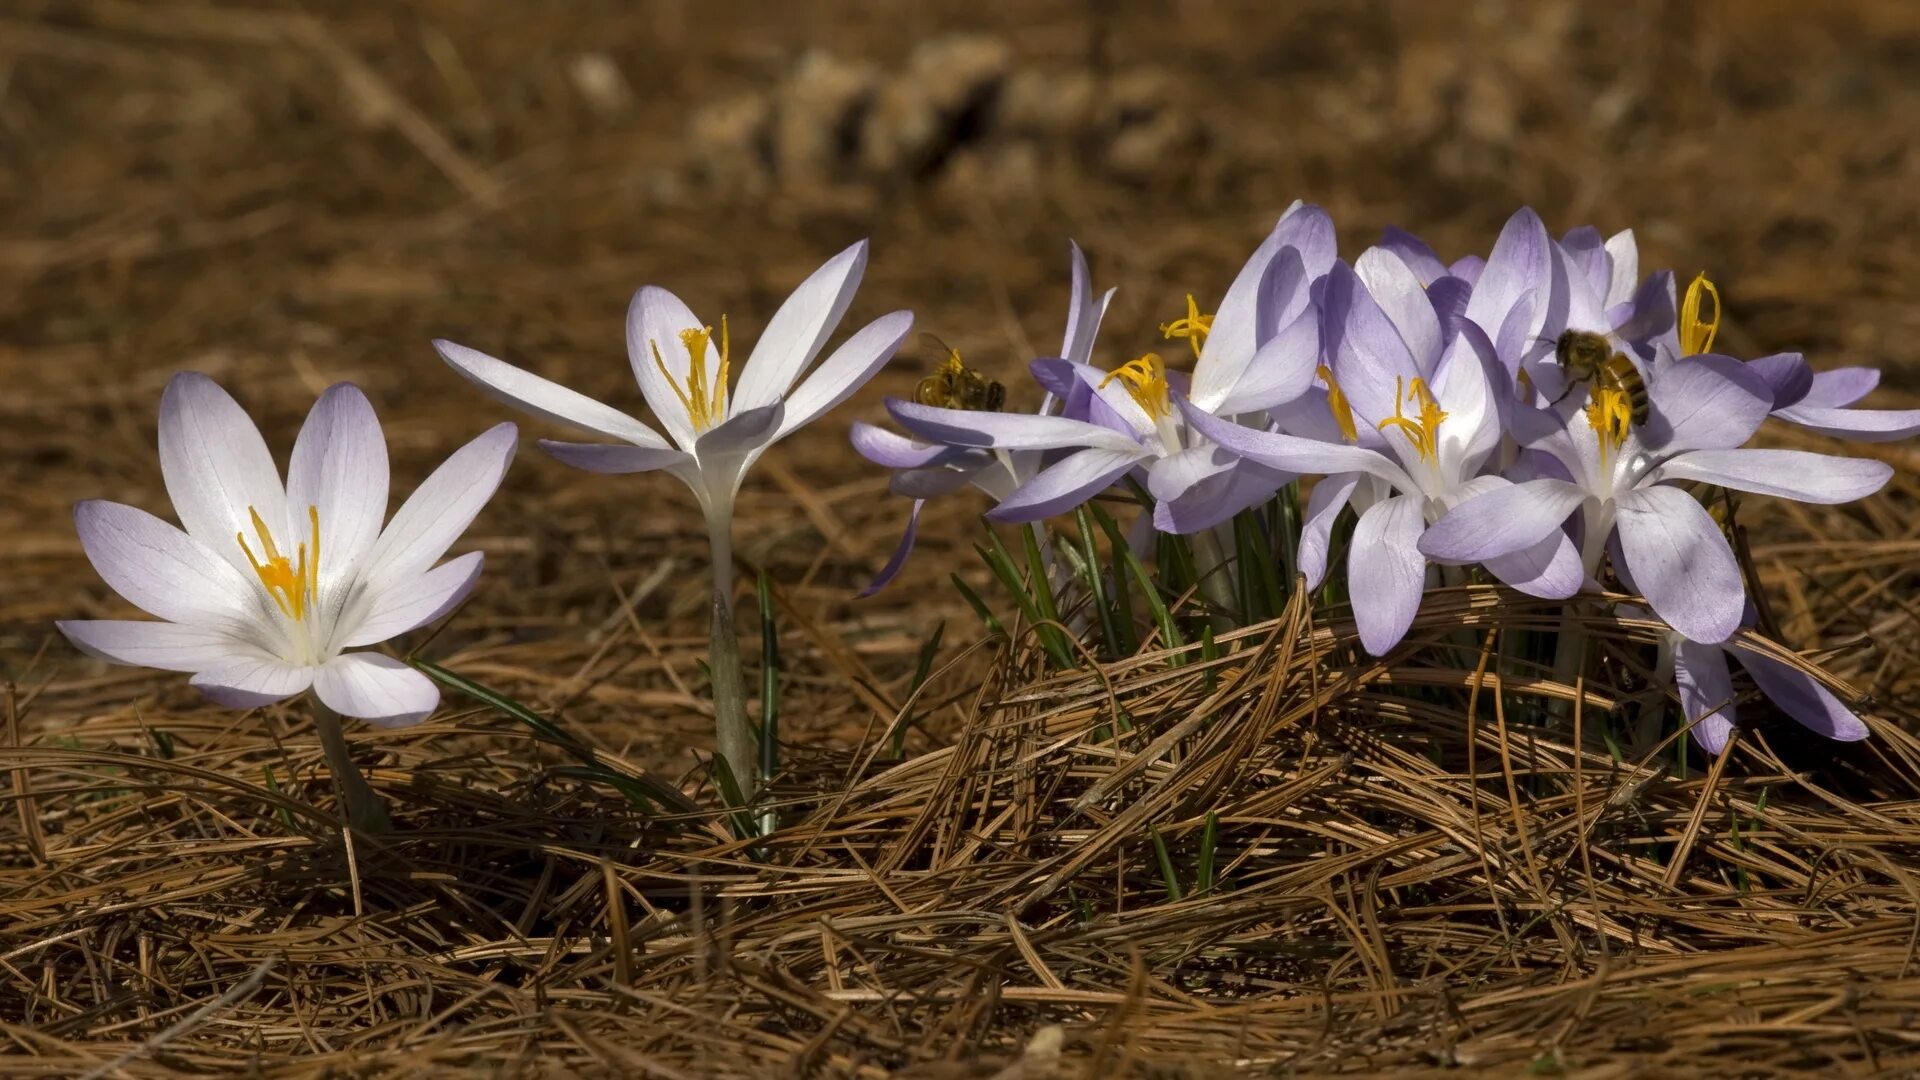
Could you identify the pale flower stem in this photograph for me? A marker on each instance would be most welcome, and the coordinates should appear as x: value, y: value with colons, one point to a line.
x: 364, y: 809
x: 733, y: 735
x: 1216, y: 578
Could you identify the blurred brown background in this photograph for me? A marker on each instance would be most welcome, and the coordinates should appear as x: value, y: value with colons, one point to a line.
x: 288, y: 195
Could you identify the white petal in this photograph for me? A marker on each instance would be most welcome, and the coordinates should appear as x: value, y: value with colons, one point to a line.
x: 163, y: 645
x: 655, y: 320
x: 614, y: 457
x: 428, y: 523
x: 796, y: 333
x: 163, y: 571
x: 410, y: 603
x: 252, y: 682
x: 216, y: 467
x: 376, y: 688
x: 544, y: 398
x: 339, y: 468
x: 847, y: 370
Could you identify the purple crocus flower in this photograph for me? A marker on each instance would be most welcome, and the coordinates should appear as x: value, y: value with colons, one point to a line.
x: 1705, y: 683
x: 1409, y: 424
x: 1621, y: 481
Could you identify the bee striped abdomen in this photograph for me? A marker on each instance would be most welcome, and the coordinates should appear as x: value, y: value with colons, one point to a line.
x: 1620, y: 373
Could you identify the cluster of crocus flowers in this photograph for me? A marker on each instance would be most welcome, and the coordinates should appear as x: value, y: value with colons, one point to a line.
x: 1544, y: 414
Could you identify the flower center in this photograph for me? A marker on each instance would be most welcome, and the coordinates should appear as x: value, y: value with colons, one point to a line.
x: 1337, y: 405
x: 705, y: 400
x: 1195, y: 327
x: 1424, y: 431
x: 1696, y: 334
x: 1146, y: 381
x: 291, y: 582
x: 1610, y: 414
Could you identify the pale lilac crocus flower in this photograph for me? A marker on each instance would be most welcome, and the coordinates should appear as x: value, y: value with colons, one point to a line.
x: 1410, y: 423
x: 1622, y: 481
x: 267, y: 589
x: 714, y: 431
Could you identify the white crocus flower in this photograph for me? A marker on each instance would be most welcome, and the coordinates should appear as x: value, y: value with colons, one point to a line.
x: 267, y: 587
x: 714, y: 433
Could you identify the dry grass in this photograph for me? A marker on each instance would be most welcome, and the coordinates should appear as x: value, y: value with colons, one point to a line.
x: 1422, y: 868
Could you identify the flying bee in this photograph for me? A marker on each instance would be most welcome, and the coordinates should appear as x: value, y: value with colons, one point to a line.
x: 1587, y: 357
x: 954, y: 385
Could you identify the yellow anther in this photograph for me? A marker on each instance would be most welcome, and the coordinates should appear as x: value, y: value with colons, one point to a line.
x: 1696, y: 334
x: 1195, y: 327
x: 1610, y: 414
x: 1146, y: 381
x: 705, y: 401
x: 1523, y: 387
x: 1337, y: 405
x: 292, y: 583
x: 1423, y: 432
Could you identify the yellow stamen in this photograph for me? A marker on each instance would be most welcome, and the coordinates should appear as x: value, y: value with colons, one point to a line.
x: 1195, y: 327
x: 1424, y: 432
x: 292, y: 583
x: 1610, y: 414
x: 1146, y: 381
x: 1696, y: 334
x: 1337, y: 405
x: 706, y: 403
x: 1523, y: 387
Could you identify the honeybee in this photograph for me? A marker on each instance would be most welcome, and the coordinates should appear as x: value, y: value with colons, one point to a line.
x: 1587, y: 357
x: 954, y: 385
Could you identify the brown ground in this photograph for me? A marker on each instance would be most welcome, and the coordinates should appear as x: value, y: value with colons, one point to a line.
x: 285, y: 200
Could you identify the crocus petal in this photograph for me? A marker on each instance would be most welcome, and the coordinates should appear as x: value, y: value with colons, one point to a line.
x: 1550, y: 569
x: 1650, y: 314
x: 163, y: 571
x: 1706, y: 402
x: 846, y: 370
x: 1840, y: 387
x: 1324, y: 504
x: 1624, y: 259
x: 1083, y: 312
x: 1706, y: 692
x: 1280, y: 371
x: 739, y: 433
x: 1003, y: 431
x: 934, y: 482
x: 1860, y: 425
x: 1403, y: 297
x: 1680, y: 561
x: 252, y: 682
x: 799, y: 329
x: 1800, y: 695
x: 376, y: 688
x: 163, y: 645
x: 217, y: 468
x: 1787, y: 375
x: 440, y: 509
x: 339, y: 467
x: 1518, y: 264
x: 1386, y: 572
x: 1289, y: 453
x: 1789, y: 474
x: 1504, y: 520
x: 1415, y: 253
x: 411, y: 603
x: 1215, y: 498
x: 544, y: 398
x: 1369, y: 359
x: 656, y: 320
x: 1236, y: 331
x: 614, y: 457
x: 892, y: 449
x: 1065, y: 484
x: 899, y: 558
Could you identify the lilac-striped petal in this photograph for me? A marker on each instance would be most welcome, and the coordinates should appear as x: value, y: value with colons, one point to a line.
x: 1289, y: 453
x: 1236, y: 330
x: 1681, y: 562
x: 1403, y: 298
x: 1083, y: 312
x: 898, y: 560
x: 252, y: 682
x: 1449, y: 296
x: 893, y: 450
x: 1065, y: 484
x: 1519, y: 264
x: 1623, y: 256
x: 411, y: 603
x: 339, y: 467
x: 377, y: 689
x: 1800, y: 695
x: 544, y: 398
x: 933, y: 482
x: 1324, y: 504
x: 1386, y: 572
x: 1004, y: 431
x: 1706, y: 402
x: 217, y: 468
x: 1364, y: 348
x: 799, y: 329
x: 1280, y: 371
x: 1860, y: 425
x: 163, y: 645
x: 1507, y: 519
x: 163, y: 571
x: 1706, y: 692
x: 1787, y: 376
x: 656, y: 320
x: 1840, y: 387
x: 440, y: 509
x: 1414, y: 252
x: 1550, y: 569
x: 1214, y: 499
x: 1650, y: 314
x: 614, y: 457
x: 844, y: 371
x: 1789, y: 474
x: 1467, y: 268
